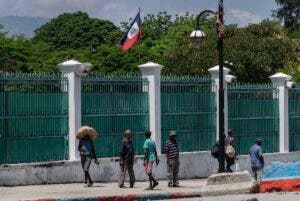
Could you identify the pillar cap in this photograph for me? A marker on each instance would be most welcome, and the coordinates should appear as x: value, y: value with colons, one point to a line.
x: 150, y: 68
x: 280, y: 78
x: 214, y: 71
x: 69, y: 66
x: 150, y: 65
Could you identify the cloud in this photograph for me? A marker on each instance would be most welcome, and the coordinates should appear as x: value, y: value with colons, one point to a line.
x: 113, y: 10
x: 121, y: 10
x: 244, y: 17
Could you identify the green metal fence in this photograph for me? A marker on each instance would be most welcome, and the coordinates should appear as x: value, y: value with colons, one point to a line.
x: 33, y: 118
x: 188, y: 107
x: 253, y: 112
x: 113, y: 104
x: 294, y: 118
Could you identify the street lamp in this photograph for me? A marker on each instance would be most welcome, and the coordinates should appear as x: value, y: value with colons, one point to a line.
x: 196, y: 37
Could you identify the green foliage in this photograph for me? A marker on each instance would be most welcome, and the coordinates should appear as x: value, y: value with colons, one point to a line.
x: 260, y: 50
x: 77, y: 30
x: 289, y: 13
x: 257, y: 51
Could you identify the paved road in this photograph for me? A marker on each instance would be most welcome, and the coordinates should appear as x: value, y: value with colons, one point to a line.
x: 280, y: 196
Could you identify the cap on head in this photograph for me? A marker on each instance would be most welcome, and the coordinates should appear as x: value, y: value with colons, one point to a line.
x: 127, y: 132
x: 172, y: 133
x: 258, y: 140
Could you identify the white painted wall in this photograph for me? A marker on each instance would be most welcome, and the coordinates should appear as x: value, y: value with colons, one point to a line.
x: 192, y: 165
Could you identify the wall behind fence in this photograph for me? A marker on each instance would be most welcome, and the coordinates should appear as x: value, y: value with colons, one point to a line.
x: 253, y: 113
x: 113, y: 104
x: 33, y: 118
x: 188, y: 107
x: 294, y: 118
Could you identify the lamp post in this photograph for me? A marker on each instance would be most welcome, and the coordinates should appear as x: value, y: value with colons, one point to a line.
x: 196, y: 37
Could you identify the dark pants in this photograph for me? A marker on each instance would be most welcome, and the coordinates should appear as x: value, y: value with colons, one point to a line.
x: 257, y: 173
x: 219, y: 161
x: 229, y: 162
x: 85, y: 162
x: 173, y: 169
x: 122, y: 173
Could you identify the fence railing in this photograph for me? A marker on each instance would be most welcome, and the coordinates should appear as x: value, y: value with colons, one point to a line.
x: 294, y: 118
x: 33, y: 118
x: 34, y: 114
x: 253, y: 113
x: 113, y: 104
x: 188, y: 107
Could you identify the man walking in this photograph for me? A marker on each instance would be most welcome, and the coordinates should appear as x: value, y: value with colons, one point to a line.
x: 172, y: 154
x: 126, y: 160
x: 257, y: 159
x: 150, y: 157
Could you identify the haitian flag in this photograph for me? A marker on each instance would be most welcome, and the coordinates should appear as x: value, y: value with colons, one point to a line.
x: 132, y: 35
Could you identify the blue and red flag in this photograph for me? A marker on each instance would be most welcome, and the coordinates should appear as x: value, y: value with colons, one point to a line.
x: 133, y: 34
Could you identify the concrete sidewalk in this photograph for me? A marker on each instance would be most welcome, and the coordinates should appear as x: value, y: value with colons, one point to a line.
x: 77, y: 190
x: 111, y: 191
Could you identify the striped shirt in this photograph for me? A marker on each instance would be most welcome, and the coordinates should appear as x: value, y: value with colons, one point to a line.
x: 171, y: 149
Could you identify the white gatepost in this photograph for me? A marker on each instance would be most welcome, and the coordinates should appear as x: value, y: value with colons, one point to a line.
x: 214, y: 73
x: 152, y: 71
x: 279, y: 80
x: 68, y: 69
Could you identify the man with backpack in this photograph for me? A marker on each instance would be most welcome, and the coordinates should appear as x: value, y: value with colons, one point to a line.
x: 230, y: 153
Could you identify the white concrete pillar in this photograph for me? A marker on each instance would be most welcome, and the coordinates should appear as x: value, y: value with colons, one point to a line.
x: 214, y: 73
x: 68, y: 69
x: 279, y: 81
x: 152, y: 71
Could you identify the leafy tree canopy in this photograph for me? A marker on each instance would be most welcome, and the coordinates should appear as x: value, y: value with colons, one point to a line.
x: 257, y: 50
x: 77, y: 30
x: 289, y: 13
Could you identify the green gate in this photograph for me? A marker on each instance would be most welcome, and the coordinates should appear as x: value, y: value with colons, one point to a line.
x: 294, y: 118
x: 113, y: 104
x: 188, y: 107
x: 253, y: 113
x: 33, y: 118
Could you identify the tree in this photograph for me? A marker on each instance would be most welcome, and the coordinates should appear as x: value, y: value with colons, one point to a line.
x: 289, y: 13
x: 77, y: 30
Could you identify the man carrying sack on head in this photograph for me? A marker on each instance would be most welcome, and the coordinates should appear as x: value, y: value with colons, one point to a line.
x: 86, y: 148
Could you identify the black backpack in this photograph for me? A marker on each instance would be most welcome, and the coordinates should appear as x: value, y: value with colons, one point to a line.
x: 215, y: 150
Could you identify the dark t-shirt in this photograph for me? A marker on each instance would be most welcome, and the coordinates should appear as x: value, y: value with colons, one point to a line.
x: 127, y: 152
x: 86, y: 148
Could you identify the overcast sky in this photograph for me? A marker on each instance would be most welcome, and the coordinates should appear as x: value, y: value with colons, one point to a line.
x: 239, y: 12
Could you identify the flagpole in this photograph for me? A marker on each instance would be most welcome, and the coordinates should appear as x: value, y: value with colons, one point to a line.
x: 139, y: 41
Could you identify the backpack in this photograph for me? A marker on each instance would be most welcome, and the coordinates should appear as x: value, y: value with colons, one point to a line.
x: 215, y: 151
x: 230, y: 151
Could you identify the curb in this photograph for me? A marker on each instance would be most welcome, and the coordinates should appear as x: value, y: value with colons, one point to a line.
x: 279, y: 185
x: 141, y: 197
